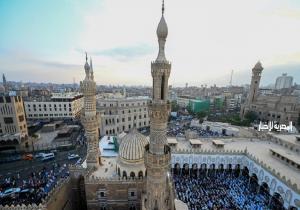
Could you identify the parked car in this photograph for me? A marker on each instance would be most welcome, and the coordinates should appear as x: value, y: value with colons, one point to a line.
x: 27, y: 157
x: 73, y: 156
x: 39, y: 155
x: 48, y: 156
x: 10, y: 192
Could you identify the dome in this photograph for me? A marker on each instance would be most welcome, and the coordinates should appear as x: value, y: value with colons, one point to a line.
x: 162, y: 29
x: 132, y: 146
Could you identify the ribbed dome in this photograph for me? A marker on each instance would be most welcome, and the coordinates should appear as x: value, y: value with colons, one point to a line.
x: 132, y: 146
x: 162, y: 29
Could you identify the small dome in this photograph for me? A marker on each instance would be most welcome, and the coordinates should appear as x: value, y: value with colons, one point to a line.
x: 132, y: 146
x: 162, y: 29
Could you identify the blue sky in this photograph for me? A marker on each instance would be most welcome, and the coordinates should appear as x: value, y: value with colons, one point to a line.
x: 45, y: 40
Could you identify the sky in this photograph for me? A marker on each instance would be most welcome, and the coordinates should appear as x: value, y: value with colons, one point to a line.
x: 45, y: 41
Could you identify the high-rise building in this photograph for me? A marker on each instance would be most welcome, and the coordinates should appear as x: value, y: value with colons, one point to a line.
x: 284, y: 81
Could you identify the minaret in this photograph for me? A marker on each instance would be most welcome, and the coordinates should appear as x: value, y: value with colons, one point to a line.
x: 4, y: 83
x: 255, y: 80
x: 89, y: 116
x: 254, y: 89
x: 157, y: 153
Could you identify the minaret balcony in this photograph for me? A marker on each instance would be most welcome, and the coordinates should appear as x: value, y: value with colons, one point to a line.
x: 157, y: 160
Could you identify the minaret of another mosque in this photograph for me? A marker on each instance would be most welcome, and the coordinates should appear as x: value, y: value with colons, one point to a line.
x: 89, y: 116
x: 255, y: 80
x: 4, y: 83
x: 157, y: 153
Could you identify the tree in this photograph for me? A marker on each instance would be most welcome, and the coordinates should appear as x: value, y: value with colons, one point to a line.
x: 201, y: 115
x: 174, y: 106
x: 251, y: 116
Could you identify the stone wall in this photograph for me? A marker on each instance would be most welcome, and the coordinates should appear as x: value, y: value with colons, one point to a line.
x: 114, y: 193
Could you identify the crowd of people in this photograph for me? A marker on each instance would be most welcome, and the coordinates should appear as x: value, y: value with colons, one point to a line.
x: 205, y: 133
x: 220, y: 190
x: 15, y: 190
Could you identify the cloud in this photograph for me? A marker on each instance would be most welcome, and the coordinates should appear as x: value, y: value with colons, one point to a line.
x: 206, y: 40
x: 125, y: 53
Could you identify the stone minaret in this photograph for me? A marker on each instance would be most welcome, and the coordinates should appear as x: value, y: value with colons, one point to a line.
x: 255, y: 80
x: 157, y: 153
x: 89, y: 116
x: 4, y: 82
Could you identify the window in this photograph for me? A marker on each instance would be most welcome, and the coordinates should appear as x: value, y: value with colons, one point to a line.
x: 21, y: 118
x: 8, y: 99
x: 8, y: 120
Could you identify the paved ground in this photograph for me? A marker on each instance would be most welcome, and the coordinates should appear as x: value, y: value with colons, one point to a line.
x: 25, y: 167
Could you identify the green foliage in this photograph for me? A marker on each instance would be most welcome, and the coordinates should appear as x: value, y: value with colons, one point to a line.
x: 174, y: 106
x: 201, y: 114
x: 232, y: 119
x: 34, y: 135
x: 251, y: 116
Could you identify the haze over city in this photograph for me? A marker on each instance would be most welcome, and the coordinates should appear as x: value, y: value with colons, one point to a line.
x: 207, y: 39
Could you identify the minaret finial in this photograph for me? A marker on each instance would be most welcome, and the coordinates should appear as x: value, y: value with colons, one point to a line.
x: 86, y: 58
x: 163, y: 7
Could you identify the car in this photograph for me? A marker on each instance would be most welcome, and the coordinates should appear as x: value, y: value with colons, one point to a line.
x: 27, y: 157
x: 54, y: 151
x: 73, y: 156
x: 10, y: 192
x: 48, y: 156
x: 39, y: 155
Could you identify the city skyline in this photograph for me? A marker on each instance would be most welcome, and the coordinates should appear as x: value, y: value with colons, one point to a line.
x: 43, y: 40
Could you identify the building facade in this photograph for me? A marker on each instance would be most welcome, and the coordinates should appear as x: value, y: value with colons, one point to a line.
x: 122, y: 114
x: 58, y: 106
x: 284, y: 81
x: 13, y: 126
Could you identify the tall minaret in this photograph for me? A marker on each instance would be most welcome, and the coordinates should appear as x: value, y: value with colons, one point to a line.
x: 157, y: 153
x: 89, y: 116
x: 4, y: 83
x: 255, y: 80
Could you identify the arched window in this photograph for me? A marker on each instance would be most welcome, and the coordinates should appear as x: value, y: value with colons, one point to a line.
x: 141, y: 174
x: 132, y: 174
x: 162, y: 92
x: 124, y: 174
